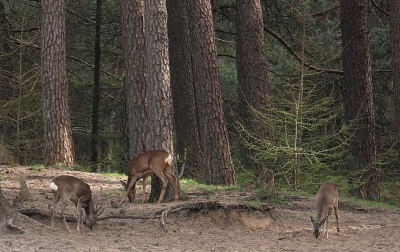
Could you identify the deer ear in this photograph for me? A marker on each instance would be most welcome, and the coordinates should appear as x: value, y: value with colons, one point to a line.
x: 322, y: 221
x: 312, y: 219
x: 123, y: 184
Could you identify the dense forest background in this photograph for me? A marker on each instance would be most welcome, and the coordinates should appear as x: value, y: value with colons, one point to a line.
x: 308, y: 134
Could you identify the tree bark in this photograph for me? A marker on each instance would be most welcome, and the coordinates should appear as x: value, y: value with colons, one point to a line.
x: 253, y: 81
x: 185, y: 111
x: 216, y: 159
x: 358, y: 92
x: 135, y: 93
x: 57, y: 122
x: 395, y: 56
x: 160, y: 106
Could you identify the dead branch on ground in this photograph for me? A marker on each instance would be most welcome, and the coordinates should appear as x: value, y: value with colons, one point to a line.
x: 162, y: 214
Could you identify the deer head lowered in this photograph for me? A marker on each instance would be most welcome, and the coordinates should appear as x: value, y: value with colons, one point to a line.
x: 71, y: 188
x: 326, y: 201
x: 155, y: 161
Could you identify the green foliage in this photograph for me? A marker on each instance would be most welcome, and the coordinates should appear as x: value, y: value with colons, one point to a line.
x: 278, y: 201
x: 186, y: 184
x: 314, y: 137
x: 61, y: 166
x: 244, y: 176
x: 312, y: 128
x: 37, y: 168
x: 24, y: 109
x: 115, y: 174
x: 256, y: 201
x: 82, y: 168
x: 363, y: 202
x: 388, y: 193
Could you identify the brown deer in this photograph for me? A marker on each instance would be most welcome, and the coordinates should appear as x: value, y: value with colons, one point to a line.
x: 71, y: 188
x: 326, y: 201
x: 155, y: 161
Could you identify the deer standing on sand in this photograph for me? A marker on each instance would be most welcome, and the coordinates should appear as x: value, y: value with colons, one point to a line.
x: 326, y: 201
x: 71, y: 188
x: 155, y: 161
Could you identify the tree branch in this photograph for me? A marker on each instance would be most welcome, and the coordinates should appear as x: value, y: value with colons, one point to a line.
x: 298, y: 57
x: 23, y: 43
x: 379, y: 8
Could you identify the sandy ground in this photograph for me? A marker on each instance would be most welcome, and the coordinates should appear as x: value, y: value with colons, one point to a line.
x: 282, y: 228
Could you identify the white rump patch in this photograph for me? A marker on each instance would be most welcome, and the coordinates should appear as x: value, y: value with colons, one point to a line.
x: 53, y: 186
x: 168, y: 159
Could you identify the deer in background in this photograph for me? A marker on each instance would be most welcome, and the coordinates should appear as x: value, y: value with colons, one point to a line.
x: 71, y: 188
x: 155, y: 161
x: 327, y: 200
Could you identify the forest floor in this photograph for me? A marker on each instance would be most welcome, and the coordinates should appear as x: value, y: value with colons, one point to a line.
x: 229, y: 223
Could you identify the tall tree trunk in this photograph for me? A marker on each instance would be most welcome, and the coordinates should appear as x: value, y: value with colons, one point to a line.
x: 185, y: 112
x: 358, y: 92
x: 135, y: 87
x: 252, y: 69
x: 160, y: 106
x: 214, y: 144
x: 57, y: 121
x: 96, y: 90
x: 395, y: 55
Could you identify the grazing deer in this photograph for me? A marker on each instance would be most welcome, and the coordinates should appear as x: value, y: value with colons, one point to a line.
x: 326, y: 200
x: 155, y: 161
x: 71, y: 188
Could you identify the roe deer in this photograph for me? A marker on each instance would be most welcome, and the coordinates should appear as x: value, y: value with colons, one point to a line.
x: 326, y: 200
x: 155, y: 161
x: 71, y: 188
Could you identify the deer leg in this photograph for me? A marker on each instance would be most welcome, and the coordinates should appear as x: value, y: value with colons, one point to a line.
x: 79, y: 212
x: 164, y: 180
x: 174, y: 181
x: 65, y: 197
x: 129, y: 188
x: 337, y: 218
x: 63, y: 205
x: 144, y: 190
x: 327, y: 226
x: 82, y: 220
x: 53, y: 207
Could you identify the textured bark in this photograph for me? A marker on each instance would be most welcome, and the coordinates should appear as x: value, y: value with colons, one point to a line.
x: 185, y: 113
x: 358, y: 91
x: 252, y: 69
x: 395, y: 56
x: 135, y: 93
x: 160, y: 106
x: 57, y: 122
x: 217, y: 162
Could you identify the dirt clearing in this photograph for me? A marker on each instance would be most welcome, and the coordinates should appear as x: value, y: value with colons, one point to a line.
x: 219, y: 222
